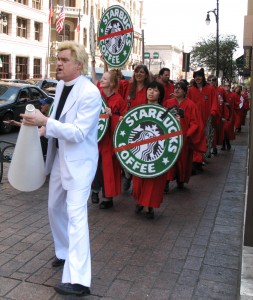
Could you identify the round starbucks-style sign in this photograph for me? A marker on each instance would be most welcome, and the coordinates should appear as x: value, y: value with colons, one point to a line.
x: 103, y: 121
x: 148, y: 141
x: 115, y: 36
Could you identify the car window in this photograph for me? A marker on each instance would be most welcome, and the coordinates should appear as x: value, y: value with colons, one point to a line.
x: 36, y: 94
x: 24, y: 94
x: 8, y: 93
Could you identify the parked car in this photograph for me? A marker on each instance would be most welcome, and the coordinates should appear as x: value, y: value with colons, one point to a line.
x: 15, y: 80
x: 13, y: 99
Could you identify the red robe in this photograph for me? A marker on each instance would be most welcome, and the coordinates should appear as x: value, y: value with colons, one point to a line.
x: 111, y: 174
x: 239, y: 111
x: 191, y: 138
x: 223, y: 113
x: 232, y: 100
x: 168, y: 90
x: 139, y: 98
x: 207, y: 105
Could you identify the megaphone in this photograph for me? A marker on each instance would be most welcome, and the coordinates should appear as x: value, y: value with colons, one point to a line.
x: 27, y: 168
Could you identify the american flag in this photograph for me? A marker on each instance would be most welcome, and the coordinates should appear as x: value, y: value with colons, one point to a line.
x: 60, y: 20
x: 50, y: 12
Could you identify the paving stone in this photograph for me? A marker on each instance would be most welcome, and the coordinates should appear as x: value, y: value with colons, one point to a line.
x: 7, y: 284
x: 119, y: 289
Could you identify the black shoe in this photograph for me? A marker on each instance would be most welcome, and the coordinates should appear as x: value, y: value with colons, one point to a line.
x: 167, y: 188
x: 138, y: 209
x: 215, y: 151
x: 58, y: 262
x: 223, y: 149
x: 127, y: 183
x: 180, y: 185
x: 106, y: 204
x: 72, y: 289
x: 94, y: 197
x: 150, y: 214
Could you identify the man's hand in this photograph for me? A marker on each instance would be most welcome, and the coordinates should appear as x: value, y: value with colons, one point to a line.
x: 36, y: 119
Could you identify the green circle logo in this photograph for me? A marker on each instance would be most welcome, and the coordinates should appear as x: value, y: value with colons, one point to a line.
x: 148, y: 141
x: 103, y: 121
x: 115, y: 36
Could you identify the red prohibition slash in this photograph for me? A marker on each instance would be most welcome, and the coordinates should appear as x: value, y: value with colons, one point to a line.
x: 107, y: 36
x: 143, y: 142
x: 104, y: 116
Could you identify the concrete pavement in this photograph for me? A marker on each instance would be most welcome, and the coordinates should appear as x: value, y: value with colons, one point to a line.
x: 191, y: 250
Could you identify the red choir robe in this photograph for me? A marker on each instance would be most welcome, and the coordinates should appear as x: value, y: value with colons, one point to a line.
x: 207, y: 105
x: 139, y: 98
x: 148, y: 192
x: 111, y: 177
x: 232, y: 100
x: 192, y: 135
x: 239, y: 111
x: 246, y: 106
x: 168, y: 90
x: 223, y: 113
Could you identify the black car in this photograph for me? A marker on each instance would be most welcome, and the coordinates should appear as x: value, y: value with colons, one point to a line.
x: 13, y: 99
x: 48, y: 86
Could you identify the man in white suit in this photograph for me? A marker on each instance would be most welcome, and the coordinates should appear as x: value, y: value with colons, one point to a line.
x: 72, y: 161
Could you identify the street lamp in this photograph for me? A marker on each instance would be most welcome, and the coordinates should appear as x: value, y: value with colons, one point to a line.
x: 216, y: 13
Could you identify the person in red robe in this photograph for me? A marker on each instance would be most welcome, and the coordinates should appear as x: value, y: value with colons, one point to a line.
x: 148, y: 192
x: 239, y: 109
x: 232, y: 100
x: 135, y: 95
x: 204, y: 96
x: 222, y: 116
x: 108, y: 173
x: 191, y: 128
x: 164, y: 79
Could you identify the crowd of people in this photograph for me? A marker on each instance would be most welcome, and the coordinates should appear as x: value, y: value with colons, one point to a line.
x: 210, y: 117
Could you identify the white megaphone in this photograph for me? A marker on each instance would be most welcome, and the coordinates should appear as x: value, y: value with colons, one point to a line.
x: 27, y: 167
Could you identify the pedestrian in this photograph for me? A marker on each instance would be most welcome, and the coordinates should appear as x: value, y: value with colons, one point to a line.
x: 71, y: 161
x: 108, y: 175
x: 148, y: 192
x: 240, y: 109
x: 135, y: 96
x: 222, y: 115
x: 187, y: 112
x: 164, y: 79
x: 203, y: 95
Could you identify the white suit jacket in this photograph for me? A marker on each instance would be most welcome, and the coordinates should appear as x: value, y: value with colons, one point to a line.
x: 77, y: 131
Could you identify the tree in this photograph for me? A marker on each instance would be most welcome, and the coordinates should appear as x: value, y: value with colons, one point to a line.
x: 203, y: 55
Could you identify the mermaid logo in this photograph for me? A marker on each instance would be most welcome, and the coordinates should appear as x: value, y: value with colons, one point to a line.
x: 146, y: 143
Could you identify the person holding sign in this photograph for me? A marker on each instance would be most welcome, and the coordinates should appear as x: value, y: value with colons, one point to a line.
x: 187, y: 111
x: 148, y: 192
x: 71, y: 161
x: 108, y: 173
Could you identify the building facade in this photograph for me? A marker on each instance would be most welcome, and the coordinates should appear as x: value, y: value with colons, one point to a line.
x: 29, y: 41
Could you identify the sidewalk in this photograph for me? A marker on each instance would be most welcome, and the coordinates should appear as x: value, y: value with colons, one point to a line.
x: 191, y: 250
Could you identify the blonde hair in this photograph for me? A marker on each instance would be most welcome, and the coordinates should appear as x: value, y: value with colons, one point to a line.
x: 78, y: 53
x: 114, y: 78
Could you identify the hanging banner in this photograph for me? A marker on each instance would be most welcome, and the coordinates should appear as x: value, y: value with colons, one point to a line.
x: 148, y: 141
x: 92, y: 37
x: 103, y: 121
x: 115, y: 36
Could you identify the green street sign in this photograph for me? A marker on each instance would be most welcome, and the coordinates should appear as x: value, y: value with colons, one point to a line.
x: 148, y: 140
x: 115, y: 36
x: 146, y: 55
x: 156, y: 55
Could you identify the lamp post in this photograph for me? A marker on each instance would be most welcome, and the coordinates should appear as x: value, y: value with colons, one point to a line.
x: 216, y: 13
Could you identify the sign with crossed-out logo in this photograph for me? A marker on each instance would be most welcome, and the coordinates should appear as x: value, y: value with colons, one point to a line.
x: 103, y: 121
x: 115, y: 36
x: 148, y: 140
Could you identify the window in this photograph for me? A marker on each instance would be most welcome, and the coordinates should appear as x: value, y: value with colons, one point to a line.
x: 36, y: 4
x: 37, y: 31
x: 5, y: 66
x: 85, y: 37
x: 36, y: 94
x: 37, y: 68
x: 65, y: 34
x: 21, y: 1
x: 86, y: 7
x: 21, y: 68
x: 21, y: 27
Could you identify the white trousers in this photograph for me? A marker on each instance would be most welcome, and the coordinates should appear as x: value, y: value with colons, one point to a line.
x: 68, y: 217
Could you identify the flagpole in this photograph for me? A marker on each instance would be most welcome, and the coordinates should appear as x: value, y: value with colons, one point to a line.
x: 48, y: 51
